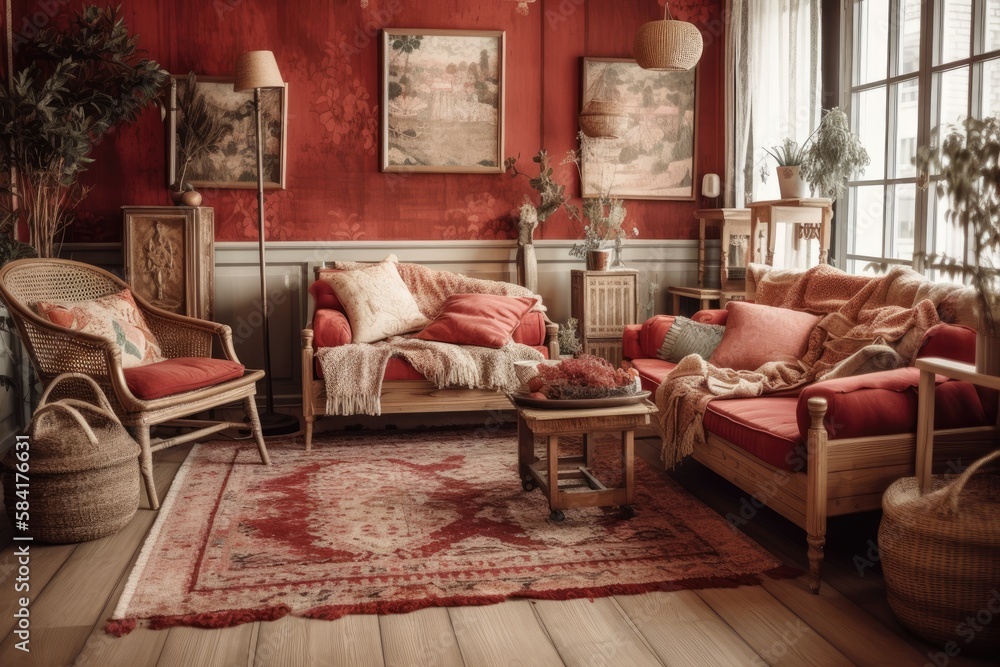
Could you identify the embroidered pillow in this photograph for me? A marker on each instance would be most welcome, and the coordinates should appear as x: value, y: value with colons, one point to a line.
x: 478, y: 319
x: 114, y: 318
x: 757, y: 334
x: 686, y: 337
x: 377, y: 302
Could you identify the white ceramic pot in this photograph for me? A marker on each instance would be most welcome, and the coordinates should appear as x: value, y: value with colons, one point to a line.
x: 790, y: 183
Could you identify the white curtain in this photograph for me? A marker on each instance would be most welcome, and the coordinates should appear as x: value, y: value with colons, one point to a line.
x: 773, y: 65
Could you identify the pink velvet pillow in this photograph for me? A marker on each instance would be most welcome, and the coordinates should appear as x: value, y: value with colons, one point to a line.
x: 485, y: 320
x: 757, y: 334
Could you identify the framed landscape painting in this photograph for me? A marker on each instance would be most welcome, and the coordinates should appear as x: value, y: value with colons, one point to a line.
x: 443, y: 101
x: 232, y: 163
x: 655, y: 157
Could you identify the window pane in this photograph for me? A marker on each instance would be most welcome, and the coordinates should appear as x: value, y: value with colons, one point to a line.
x: 991, y: 30
x: 991, y: 86
x: 872, y: 42
x: 868, y: 218
x: 948, y: 237
x: 870, y: 106
x: 909, y: 35
x: 955, y: 34
x: 952, y: 94
x: 906, y: 129
x: 904, y: 212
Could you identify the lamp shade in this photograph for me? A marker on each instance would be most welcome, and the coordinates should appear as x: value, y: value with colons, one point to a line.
x: 257, y: 69
x: 667, y: 46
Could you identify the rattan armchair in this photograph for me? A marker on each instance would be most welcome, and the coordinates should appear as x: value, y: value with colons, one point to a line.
x: 55, y: 350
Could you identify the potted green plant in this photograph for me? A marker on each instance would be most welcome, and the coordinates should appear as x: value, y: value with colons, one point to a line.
x: 75, y: 87
x: 825, y: 160
x: 197, y: 135
x: 968, y: 163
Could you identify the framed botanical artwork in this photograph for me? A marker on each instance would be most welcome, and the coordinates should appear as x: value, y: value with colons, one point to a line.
x: 443, y: 100
x: 232, y: 161
x: 655, y: 157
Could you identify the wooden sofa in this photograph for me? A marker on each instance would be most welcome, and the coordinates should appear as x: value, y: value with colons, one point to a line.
x: 400, y: 396
x: 837, y: 468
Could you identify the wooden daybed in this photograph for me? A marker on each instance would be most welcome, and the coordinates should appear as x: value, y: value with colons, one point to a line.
x: 405, y: 396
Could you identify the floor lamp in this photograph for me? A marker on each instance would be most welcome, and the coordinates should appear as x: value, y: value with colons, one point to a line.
x: 256, y: 70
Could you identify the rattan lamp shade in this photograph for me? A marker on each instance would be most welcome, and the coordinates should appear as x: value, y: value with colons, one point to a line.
x: 668, y: 46
x: 603, y: 119
x: 257, y: 69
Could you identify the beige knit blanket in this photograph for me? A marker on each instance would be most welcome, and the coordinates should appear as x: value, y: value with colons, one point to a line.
x: 869, y: 324
x: 353, y: 373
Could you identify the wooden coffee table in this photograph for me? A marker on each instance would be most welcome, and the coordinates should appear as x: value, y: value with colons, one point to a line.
x: 547, y: 473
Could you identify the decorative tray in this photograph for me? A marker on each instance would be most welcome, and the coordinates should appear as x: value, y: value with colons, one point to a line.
x: 521, y: 398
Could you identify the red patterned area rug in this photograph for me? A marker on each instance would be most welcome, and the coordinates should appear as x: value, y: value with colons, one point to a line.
x: 396, y: 522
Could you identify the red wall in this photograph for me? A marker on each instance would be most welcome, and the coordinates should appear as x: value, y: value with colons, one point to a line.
x: 335, y: 190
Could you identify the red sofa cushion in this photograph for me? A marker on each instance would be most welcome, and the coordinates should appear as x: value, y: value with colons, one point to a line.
x: 949, y: 341
x: 765, y: 427
x: 484, y: 320
x: 323, y: 294
x: 175, y: 376
x: 652, y: 371
x: 885, y: 403
x: 757, y: 334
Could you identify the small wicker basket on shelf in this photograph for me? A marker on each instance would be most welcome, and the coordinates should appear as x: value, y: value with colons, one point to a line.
x: 79, y: 469
x: 940, y: 556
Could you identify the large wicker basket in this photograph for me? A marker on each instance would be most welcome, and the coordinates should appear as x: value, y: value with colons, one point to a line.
x: 941, y: 557
x: 79, y: 474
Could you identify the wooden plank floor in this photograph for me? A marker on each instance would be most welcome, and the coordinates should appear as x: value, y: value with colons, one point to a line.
x: 74, y: 589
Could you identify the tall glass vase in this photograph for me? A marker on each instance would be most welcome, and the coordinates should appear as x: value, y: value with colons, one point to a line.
x: 617, y: 264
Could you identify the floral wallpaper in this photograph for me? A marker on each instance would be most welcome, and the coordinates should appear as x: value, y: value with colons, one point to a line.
x: 329, y: 52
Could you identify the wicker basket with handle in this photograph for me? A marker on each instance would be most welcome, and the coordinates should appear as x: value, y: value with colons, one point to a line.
x: 941, y: 557
x: 81, y: 478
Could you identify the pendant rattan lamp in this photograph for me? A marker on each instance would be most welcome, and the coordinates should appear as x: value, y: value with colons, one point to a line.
x: 603, y: 117
x: 256, y: 70
x: 667, y: 45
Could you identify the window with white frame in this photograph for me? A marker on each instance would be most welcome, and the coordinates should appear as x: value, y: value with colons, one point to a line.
x: 917, y: 68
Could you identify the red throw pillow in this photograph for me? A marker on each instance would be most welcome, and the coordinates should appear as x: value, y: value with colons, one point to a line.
x: 757, y: 334
x: 486, y: 320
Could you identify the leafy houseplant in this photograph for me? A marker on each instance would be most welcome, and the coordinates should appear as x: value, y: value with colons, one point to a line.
x: 76, y: 86
x: 826, y: 159
x: 968, y: 162
x: 198, y: 134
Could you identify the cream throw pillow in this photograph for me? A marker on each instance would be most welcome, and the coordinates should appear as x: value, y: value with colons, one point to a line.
x: 377, y: 302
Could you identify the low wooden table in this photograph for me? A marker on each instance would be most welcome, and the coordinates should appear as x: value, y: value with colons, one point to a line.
x: 547, y: 473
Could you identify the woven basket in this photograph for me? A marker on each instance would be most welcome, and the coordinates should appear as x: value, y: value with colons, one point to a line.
x: 83, y: 471
x: 941, y: 557
x: 669, y: 46
x: 604, y: 118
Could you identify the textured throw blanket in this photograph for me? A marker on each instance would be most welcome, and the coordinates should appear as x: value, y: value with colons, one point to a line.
x: 430, y: 288
x: 353, y: 373
x: 869, y: 324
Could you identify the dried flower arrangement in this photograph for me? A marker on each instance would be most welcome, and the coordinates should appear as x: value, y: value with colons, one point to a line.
x: 585, y: 376
x: 605, y: 215
x: 569, y: 342
x: 552, y: 196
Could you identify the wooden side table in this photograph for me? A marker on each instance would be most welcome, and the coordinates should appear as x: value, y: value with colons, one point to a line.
x: 813, y: 218
x: 170, y: 257
x: 734, y: 232
x: 604, y: 302
x: 547, y: 473
x: 929, y: 367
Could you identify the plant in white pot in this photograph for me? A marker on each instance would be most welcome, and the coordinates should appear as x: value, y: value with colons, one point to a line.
x: 825, y: 160
x: 968, y: 164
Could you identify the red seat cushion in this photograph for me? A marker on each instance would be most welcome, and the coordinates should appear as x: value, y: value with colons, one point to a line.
x: 652, y: 372
x: 175, y: 376
x: 765, y: 427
